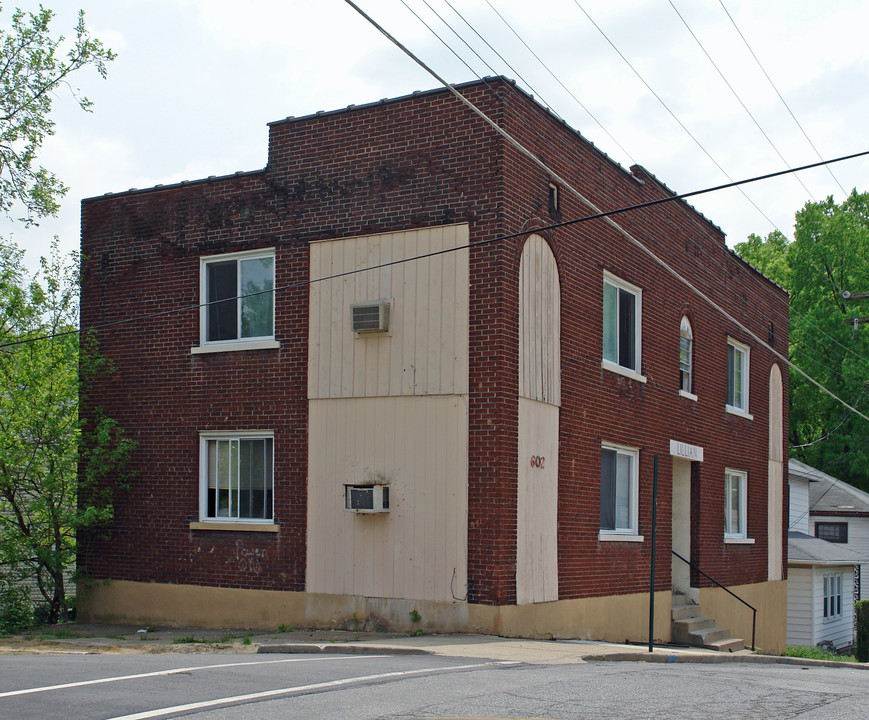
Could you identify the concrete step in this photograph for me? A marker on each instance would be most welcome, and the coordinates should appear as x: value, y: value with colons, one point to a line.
x: 712, y: 634
x: 681, y: 612
x: 694, y: 624
x: 727, y: 645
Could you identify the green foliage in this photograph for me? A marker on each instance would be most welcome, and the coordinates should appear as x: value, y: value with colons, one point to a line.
x: 44, y: 435
x: 861, y: 644
x: 34, y: 65
x: 16, y: 610
x: 284, y: 628
x: 827, y: 256
x: 815, y: 653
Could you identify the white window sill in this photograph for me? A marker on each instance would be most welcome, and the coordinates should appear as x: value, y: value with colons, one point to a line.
x: 737, y: 411
x: 833, y: 618
x: 619, y: 370
x: 689, y: 396
x: 738, y: 541
x: 235, y: 526
x: 619, y: 537
x: 235, y: 346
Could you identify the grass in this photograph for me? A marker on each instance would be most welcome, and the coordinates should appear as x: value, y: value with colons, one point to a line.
x: 60, y: 635
x: 816, y: 653
x: 207, y: 641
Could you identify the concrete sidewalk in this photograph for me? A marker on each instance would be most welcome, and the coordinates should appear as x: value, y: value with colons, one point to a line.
x: 85, y: 638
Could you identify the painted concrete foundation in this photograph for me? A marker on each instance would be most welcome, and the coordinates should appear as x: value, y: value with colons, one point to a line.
x: 617, y: 618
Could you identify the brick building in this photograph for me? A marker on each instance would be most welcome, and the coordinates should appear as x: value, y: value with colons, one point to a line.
x: 470, y: 435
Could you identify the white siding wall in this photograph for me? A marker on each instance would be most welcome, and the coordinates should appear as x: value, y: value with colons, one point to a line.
x: 799, y: 505
x: 858, y: 541
x: 801, y: 606
x: 539, y: 398
x: 390, y: 408
x: 839, y: 631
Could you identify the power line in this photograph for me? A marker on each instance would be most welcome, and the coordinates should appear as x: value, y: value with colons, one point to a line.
x: 555, y: 77
x: 784, y: 102
x: 479, y: 243
x: 671, y: 113
x: 618, y: 228
x: 736, y: 95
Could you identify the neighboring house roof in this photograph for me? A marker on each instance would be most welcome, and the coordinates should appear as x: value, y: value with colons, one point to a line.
x: 807, y: 550
x: 828, y: 495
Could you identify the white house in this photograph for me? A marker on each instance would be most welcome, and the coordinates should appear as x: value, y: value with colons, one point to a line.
x: 839, y: 513
x: 820, y: 573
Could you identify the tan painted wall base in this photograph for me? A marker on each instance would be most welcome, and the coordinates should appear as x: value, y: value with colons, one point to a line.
x: 619, y: 618
x: 771, y: 601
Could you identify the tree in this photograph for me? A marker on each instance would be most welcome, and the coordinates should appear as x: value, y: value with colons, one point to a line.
x: 829, y: 254
x: 33, y: 65
x: 45, y: 437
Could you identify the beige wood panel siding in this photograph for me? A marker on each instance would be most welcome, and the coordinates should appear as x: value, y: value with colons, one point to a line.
x: 426, y: 349
x: 537, y: 503
x: 539, y: 323
x: 775, y: 475
x: 419, y: 445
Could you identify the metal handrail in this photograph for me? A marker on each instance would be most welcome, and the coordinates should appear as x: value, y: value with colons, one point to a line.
x: 709, y: 577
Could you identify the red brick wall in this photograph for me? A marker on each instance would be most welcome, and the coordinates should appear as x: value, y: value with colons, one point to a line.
x: 598, y: 405
x: 420, y: 161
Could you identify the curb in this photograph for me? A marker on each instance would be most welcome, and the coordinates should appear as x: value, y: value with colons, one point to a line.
x: 340, y: 649
x: 697, y: 658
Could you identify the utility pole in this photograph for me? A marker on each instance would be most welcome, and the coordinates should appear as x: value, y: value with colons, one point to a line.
x: 846, y: 295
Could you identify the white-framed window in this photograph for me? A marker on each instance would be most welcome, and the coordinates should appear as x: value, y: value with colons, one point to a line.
x: 686, y: 356
x: 236, y: 477
x: 622, y: 320
x: 619, y: 489
x: 237, y: 298
x: 735, y: 504
x: 833, y: 595
x: 737, y: 376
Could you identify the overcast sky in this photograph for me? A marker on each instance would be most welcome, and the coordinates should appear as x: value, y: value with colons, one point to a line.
x: 196, y: 81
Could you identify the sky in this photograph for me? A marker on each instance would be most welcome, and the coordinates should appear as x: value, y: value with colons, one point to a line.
x: 196, y: 81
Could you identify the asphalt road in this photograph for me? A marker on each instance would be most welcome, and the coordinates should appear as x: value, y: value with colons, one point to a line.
x: 263, y: 687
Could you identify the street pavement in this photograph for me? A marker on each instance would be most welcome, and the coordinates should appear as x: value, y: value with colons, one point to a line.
x: 79, y: 638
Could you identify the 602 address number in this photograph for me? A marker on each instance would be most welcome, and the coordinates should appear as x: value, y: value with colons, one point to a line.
x: 538, y: 461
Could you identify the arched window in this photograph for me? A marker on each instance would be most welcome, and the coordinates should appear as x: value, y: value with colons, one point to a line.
x: 686, y: 353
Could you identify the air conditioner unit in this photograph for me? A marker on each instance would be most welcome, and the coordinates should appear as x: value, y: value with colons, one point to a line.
x: 366, y: 498
x: 370, y: 317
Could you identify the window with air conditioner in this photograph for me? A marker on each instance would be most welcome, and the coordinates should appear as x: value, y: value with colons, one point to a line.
x: 370, y: 317
x: 366, y: 498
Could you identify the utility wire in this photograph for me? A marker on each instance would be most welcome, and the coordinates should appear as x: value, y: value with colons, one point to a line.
x: 566, y: 89
x: 671, y: 113
x: 479, y: 243
x: 606, y: 216
x: 736, y: 95
x: 784, y: 102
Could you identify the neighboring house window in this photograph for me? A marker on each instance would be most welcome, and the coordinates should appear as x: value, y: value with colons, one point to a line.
x: 622, y: 304
x: 686, y: 354
x: 735, y: 482
x: 835, y: 532
x: 238, y: 297
x: 237, y: 479
x: 833, y: 595
x: 618, y: 489
x: 737, y: 375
